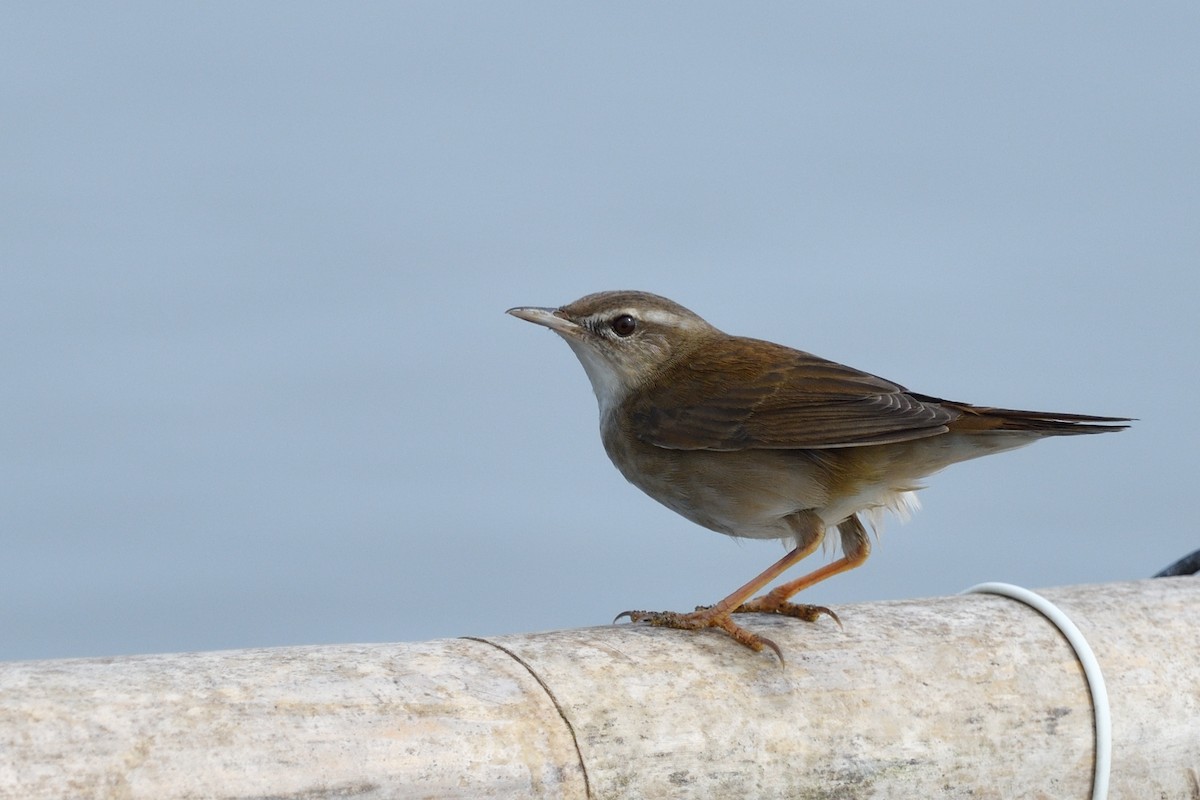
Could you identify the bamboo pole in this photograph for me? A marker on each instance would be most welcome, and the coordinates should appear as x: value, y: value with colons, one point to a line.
x: 969, y: 696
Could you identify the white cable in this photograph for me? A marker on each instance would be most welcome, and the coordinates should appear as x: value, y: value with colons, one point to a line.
x: 1091, y: 671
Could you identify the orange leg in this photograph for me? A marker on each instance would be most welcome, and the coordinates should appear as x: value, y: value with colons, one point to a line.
x: 856, y: 546
x: 809, y: 532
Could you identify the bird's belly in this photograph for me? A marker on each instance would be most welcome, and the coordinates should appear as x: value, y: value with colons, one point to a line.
x: 743, y: 493
x: 750, y: 493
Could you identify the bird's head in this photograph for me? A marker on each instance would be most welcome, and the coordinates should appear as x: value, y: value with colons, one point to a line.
x: 623, y: 339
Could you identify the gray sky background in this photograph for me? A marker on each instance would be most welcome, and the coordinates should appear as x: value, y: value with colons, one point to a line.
x: 259, y: 387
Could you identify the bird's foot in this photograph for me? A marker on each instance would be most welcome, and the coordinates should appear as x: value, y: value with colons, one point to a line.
x: 704, y: 617
x: 766, y: 604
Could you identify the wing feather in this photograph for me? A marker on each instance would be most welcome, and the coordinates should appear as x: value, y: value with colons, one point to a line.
x: 782, y: 399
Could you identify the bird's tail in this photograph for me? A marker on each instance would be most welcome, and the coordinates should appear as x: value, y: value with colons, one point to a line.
x: 1050, y: 424
x: 1043, y: 423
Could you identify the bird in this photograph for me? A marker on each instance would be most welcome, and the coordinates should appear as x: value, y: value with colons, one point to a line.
x: 759, y: 440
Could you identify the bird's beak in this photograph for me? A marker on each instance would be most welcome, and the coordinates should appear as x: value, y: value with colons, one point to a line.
x: 551, y: 318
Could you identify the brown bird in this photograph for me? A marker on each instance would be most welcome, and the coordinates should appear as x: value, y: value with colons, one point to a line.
x: 757, y: 440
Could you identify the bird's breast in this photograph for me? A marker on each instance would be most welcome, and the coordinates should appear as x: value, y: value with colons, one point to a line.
x: 742, y: 493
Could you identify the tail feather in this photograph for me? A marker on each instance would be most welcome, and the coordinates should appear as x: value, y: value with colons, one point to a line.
x: 1046, y: 423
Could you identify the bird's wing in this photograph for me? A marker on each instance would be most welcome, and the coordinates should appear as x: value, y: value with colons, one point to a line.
x: 718, y: 399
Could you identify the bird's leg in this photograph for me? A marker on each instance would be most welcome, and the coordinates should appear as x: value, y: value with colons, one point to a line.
x: 856, y: 546
x: 810, y: 530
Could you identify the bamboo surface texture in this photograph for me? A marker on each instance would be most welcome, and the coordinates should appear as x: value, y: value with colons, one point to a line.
x: 969, y: 696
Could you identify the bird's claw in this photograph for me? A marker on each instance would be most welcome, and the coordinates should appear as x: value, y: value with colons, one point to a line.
x: 703, y: 617
x: 804, y: 611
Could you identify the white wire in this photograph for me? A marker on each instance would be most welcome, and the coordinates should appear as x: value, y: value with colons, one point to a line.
x: 1091, y: 671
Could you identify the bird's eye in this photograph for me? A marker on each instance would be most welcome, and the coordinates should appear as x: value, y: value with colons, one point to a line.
x: 623, y: 325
